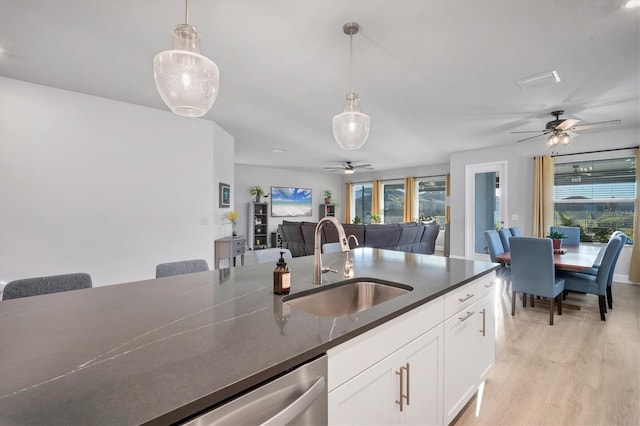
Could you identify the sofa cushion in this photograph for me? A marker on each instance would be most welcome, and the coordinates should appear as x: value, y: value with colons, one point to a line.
x: 355, y: 230
x: 427, y: 243
x: 382, y: 235
x: 292, y: 238
x: 308, y: 234
x: 410, y: 234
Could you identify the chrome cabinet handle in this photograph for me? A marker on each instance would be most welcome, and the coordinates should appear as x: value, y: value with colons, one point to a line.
x: 466, y: 317
x: 484, y: 318
x: 298, y: 406
x: 467, y: 297
x: 408, y: 386
x: 403, y: 396
x: 489, y: 285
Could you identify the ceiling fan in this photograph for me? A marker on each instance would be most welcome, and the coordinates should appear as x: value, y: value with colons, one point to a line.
x: 348, y: 167
x: 562, y: 129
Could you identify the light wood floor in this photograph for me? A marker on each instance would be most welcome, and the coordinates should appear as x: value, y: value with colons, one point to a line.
x: 580, y: 371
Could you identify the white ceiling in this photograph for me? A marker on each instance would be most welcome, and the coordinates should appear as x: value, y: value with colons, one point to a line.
x: 435, y: 76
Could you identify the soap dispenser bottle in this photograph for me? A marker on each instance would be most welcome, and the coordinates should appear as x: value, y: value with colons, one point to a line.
x: 281, y: 277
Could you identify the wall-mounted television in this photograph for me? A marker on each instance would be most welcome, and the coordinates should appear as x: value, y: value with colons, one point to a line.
x: 290, y: 201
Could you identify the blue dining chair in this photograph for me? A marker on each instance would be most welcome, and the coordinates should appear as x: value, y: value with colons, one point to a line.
x: 597, y: 285
x: 505, y: 234
x: 495, y: 248
x: 515, y: 231
x: 572, y: 234
x: 533, y: 272
x: 596, y: 264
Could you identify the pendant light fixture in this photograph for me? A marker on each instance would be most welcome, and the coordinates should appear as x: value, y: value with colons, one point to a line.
x: 187, y: 81
x: 351, y: 128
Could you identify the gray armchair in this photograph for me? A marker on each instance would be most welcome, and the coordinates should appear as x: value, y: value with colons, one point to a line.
x: 45, y: 285
x: 533, y: 272
x: 181, y: 267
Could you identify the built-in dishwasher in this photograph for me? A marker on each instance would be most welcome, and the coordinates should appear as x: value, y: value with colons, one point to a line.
x: 298, y: 397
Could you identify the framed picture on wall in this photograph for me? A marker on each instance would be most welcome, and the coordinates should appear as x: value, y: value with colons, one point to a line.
x: 290, y: 201
x: 224, y: 193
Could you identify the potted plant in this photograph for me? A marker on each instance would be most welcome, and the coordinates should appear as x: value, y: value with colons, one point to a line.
x: 356, y: 220
x: 257, y: 192
x: 232, y: 217
x: 557, y: 238
x: 328, y: 196
x: 375, y: 218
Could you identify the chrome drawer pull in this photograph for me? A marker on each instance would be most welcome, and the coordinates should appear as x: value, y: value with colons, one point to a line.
x: 469, y: 296
x: 490, y: 285
x: 464, y: 318
x: 484, y: 317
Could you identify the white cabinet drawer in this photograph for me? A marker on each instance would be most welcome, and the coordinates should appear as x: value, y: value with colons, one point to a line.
x: 460, y: 298
x: 487, y: 284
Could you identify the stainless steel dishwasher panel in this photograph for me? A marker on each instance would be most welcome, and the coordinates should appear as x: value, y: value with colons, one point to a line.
x: 298, y: 397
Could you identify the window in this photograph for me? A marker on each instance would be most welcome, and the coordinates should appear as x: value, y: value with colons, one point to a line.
x: 431, y: 198
x: 362, y: 202
x: 596, y: 194
x: 393, y: 201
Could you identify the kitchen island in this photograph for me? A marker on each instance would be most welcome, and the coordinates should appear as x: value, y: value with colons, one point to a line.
x: 157, y: 351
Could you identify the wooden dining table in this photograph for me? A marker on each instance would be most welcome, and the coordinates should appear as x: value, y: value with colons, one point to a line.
x: 575, y: 259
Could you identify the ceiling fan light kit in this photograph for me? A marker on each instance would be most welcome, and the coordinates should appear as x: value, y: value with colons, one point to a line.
x: 351, y: 127
x: 187, y: 81
x: 560, y: 130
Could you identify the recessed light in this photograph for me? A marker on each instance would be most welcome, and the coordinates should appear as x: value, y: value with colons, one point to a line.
x: 632, y: 3
x: 277, y: 150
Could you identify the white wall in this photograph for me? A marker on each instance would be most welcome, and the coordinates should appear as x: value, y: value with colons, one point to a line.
x: 247, y: 176
x: 93, y: 185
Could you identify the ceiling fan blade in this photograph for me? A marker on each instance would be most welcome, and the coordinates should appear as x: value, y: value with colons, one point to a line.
x: 532, y: 137
x: 360, y: 166
x: 532, y: 131
x: 566, y: 124
x: 592, y: 125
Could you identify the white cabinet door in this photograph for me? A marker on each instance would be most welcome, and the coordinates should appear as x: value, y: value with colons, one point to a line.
x: 424, y: 358
x: 366, y: 399
x: 460, y: 365
x: 486, y: 347
x: 373, y: 397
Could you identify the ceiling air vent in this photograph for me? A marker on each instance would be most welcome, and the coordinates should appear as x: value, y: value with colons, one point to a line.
x: 539, y: 80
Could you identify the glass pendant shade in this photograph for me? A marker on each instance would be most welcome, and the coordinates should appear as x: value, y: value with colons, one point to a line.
x: 351, y: 128
x: 187, y: 81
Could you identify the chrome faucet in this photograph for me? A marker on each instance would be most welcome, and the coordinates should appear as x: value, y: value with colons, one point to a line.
x: 318, y: 270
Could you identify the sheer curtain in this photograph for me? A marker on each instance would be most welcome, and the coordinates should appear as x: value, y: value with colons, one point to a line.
x: 347, y: 202
x: 543, y: 196
x: 634, y: 272
x: 409, y: 199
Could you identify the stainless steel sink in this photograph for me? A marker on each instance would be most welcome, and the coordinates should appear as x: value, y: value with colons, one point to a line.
x: 345, y: 298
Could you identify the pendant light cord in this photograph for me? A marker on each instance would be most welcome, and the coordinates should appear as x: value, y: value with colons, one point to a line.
x: 350, y: 63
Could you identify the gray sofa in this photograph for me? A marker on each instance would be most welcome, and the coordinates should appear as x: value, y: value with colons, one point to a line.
x: 411, y: 237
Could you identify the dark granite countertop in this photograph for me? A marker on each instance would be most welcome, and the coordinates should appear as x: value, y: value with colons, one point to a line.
x: 159, y: 350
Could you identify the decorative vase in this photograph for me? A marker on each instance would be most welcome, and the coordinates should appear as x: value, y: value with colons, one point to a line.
x: 557, y: 244
x: 233, y: 229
